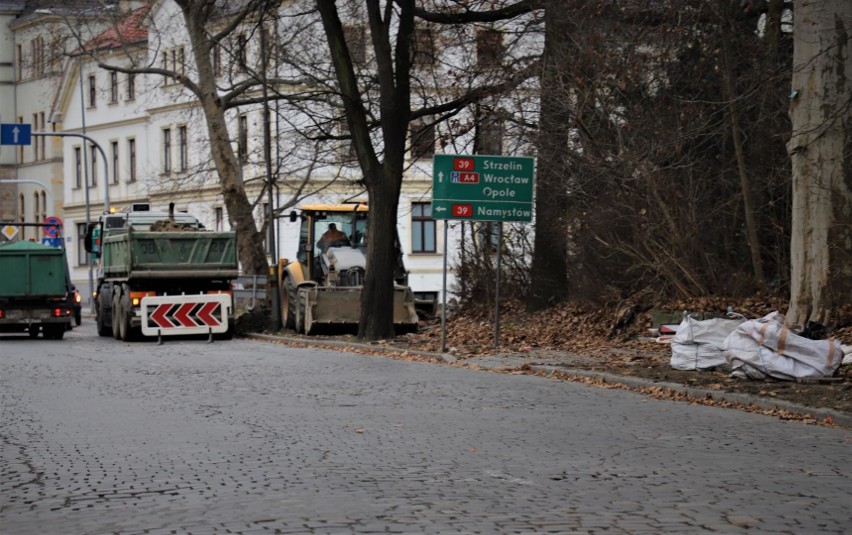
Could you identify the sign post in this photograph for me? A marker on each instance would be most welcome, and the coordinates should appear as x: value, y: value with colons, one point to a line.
x: 481, y: 188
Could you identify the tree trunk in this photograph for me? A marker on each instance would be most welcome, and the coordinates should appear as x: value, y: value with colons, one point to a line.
x: 821, y: 153
x: 550, y: 254
x: 382, y: 179
x: 249, y: 240
x: 729, y: 82
x: 376, y: 322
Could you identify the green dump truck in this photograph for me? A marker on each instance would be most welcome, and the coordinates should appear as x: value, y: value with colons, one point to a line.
x: 34, y: 290
x: 162, y: 274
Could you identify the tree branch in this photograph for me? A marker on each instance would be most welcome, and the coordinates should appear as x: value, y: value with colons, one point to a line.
x: 462, y: 17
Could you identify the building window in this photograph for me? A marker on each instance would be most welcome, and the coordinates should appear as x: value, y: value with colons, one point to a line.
x: 167, y: 150
x: 220, y: 219
x: 131, y: 160
x: 423, y: 231
x: 78, y: 168
x: 94, y: 153
x: 489, y: 48
x: 40, y: 140
x: 424, y: 48
x: 43, y: 205
x: 180, y: 67
x: 173, y: 60
x: 216, y: 52
x: 20, y: 147
x: 36, y: 211
x: 487, y: 235
x: 165, y: 65
x: 422, y: 139
x: 131, y: 86
x: 490, y: 135
x: 347, y: 151
x: 242, y: 51
x: 242, y: 139
x: 19, y: 68
x: 113, y: 87
x: 268, y: 218
x: 37, y: 49
x: 82, y: 256
x: 93, y: 98
x: 115, y: 173
x: 183, y: 148
x: 22, y: 211
x: 35, y: 140
x: 356, y: 41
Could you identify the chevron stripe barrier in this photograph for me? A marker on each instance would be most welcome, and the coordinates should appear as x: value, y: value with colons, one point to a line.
x: 185, y: 314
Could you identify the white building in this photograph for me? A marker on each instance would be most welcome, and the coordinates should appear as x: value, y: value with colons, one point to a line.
x: 154, y: 138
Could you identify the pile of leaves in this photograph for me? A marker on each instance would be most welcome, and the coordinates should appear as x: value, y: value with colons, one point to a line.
x: 580, y: 327
x: 617, y: 339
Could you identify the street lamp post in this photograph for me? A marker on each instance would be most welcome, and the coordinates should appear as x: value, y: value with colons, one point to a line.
x: 86, y: 182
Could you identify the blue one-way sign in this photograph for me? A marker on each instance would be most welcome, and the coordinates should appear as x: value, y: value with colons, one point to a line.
x: 15, y: 134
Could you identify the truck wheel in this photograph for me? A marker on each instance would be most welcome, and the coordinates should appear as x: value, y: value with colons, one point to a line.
x: 127, y: 333
x: 116, y: 317
x: 100, y: 318
x: 299, y: 320
x: 288, y: 303
x: 33, y: 331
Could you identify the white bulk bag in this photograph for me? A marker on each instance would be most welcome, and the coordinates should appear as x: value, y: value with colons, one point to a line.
x: 697, y: 345
x: 766, y: 348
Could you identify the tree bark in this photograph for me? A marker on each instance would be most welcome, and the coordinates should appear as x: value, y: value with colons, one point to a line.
x: 821, y: 153
x: 550, y: 252
x: 249, y: 240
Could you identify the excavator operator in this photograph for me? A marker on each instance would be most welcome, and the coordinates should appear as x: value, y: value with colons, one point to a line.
x: 332, y: 238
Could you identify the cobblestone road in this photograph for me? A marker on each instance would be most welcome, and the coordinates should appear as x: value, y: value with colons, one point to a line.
x: 103, y: 437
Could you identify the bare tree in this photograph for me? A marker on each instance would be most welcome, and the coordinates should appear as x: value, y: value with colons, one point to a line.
x: 660, y: 154
x: 382, y: 159
x: 820, y: 148
x: 222, y: 77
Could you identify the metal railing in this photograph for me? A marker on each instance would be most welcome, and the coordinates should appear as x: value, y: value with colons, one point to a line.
x: 249, y: 290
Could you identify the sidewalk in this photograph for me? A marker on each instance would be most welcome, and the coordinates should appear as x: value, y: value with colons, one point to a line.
x: 762, y: 397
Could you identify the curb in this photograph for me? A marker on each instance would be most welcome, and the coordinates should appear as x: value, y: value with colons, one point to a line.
x: 838, y: 417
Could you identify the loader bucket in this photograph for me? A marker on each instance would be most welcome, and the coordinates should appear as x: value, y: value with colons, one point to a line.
x: 336, y: 308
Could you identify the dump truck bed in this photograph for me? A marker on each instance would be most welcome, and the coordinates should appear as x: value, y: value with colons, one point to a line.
x: 169, y: 254
x: 29, y: 269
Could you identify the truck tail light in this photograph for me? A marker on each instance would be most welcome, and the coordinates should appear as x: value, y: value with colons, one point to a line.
x: 1, y: 313
x: 59, y: 312
x: 136, y: 297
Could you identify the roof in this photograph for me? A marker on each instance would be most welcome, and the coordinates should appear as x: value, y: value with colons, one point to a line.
x: 128, y: 31
x: 12, y: 6
x: 51, y: 7
x: 347, y: 207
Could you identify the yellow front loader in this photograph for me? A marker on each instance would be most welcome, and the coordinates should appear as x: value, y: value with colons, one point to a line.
x: 321, y: 288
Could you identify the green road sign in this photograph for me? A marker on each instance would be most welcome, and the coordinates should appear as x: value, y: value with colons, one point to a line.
x: 482, y: 188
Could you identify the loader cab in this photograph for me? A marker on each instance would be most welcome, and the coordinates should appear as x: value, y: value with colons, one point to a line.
x: 315, y: 223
